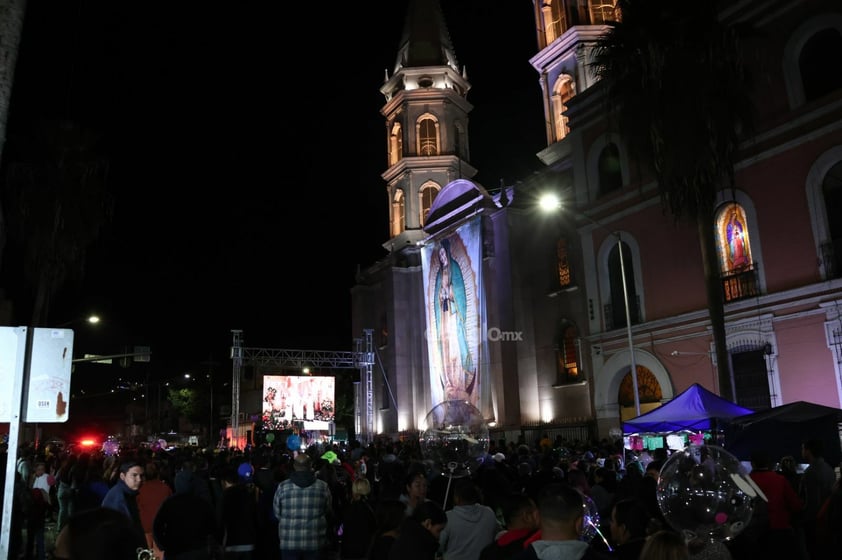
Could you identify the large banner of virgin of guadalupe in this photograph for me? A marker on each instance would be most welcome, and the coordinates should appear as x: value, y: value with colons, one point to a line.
x: 452, y: 268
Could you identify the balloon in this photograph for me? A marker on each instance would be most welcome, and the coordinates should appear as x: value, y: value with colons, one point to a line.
x: 456, y: 438
x: 246, y: 471
x: 270, y: 437
x: 294, y: 442
x: 705, y: 493
x: 590, y: 525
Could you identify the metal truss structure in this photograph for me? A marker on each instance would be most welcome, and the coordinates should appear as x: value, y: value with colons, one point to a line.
x: 362, y: 358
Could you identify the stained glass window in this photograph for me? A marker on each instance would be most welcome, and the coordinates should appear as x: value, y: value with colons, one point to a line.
x: 733, y: 241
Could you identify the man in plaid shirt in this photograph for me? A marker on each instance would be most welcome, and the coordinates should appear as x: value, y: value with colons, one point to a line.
x: 302, y: 505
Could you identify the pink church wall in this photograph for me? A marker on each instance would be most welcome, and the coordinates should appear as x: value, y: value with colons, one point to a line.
x: 806, y: 365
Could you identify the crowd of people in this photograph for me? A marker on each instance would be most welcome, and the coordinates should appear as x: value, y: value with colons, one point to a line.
x: 552, y: 500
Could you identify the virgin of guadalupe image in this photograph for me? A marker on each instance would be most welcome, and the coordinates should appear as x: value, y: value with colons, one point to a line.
x: 458, y: 375
x: 736, y: 236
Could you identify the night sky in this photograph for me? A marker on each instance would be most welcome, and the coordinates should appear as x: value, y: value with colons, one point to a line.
x: 246, y: 147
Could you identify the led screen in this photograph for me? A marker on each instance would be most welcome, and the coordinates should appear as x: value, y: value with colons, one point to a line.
x: 291, y: 398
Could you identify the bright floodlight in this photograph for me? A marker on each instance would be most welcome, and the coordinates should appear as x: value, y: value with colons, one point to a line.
x: 549, y: 202
x: 93, y: 319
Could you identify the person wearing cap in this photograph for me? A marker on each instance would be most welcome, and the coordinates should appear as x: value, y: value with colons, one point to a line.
x: 237, y: 511
x: 303, y: 507
x: 122, y: 496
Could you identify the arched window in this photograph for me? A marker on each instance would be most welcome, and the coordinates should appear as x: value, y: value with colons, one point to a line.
x: 734, y: 245
x: 395, y: 144
x: 428, y: 142
x: 601, y: 11
x: 616, y: 317
x: 553, y: 20
x: 567, y: 355
x: 820, y: 64
x: 398, y: 213
x: 608, y: 167
x: 562, y: 93
x: 428, y: 194
x: 812, y: 59
x: 832, y: 194
x: 648, y: 388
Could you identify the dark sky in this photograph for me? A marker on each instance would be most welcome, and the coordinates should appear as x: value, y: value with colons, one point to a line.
x: 246, y: 147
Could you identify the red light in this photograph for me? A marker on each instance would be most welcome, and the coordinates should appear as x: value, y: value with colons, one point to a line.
x: 87, y: 443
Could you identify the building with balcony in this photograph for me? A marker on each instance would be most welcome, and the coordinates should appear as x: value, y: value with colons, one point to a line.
x: 483, y: 297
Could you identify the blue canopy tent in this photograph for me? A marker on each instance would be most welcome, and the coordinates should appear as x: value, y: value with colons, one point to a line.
x: 694, y: 409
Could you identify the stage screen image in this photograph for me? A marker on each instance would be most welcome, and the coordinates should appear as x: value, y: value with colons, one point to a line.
x: 293, y: 398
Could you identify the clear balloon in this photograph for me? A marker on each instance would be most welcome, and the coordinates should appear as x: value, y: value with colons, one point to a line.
x: 590, y: 522
x: 704, y: 492
x: 456, y: 438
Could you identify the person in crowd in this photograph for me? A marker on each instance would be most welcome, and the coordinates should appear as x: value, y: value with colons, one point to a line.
x: 237, y: 515
x: 665, y: 545
x: 66, y: 491
x: 544, y: 475
x: 648, y: 492
x: 269, y: 471
x: 418, y: 537
x: 520, y: 516
x: 37, y: 510
x: 816, y: 486
x: 122, y: 496
x: 303, y: 506
x: 185, y: 527
x: 629, y: 521
x: 150, y: 496
x: 561, y: 509
x: 829, y: 522
x: 93, y: 487
x: 389, y: 515
x: 415, y: 490
x: 629, y: 486
x: 776, y: 536
x: 602, y: 493
x: 190, y: 476
x: 471, y: 525
x: 358, y: 522
x: 707, y: 549
x: 44, y: 481
x: 788, y: 467
x: 98, y: 533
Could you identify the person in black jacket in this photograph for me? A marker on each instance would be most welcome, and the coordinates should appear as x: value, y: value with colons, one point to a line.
x: 185, y: 527
x: 237, y: 512
x: 419, y: 533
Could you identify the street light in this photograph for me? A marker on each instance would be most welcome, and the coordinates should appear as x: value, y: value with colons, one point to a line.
x: 90, y: 319
x: 549, y: 202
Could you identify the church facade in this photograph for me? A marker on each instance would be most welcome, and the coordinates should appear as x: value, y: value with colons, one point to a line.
x: 594, y: 309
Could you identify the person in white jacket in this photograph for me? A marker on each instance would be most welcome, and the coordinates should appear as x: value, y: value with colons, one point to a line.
x: 471, y: 526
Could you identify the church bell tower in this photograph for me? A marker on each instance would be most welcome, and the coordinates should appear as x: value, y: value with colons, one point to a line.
x: 426, y: 115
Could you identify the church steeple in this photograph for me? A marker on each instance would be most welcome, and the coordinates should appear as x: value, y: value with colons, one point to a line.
x: 425, y: 40
x: 426, y: 121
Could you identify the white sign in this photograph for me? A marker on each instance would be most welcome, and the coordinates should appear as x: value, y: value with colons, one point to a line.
x: 47, y: 398
x: 12, y: 348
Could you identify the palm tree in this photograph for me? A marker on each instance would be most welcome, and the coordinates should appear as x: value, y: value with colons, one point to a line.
x: 677, y: 89
x: 57, y: 187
